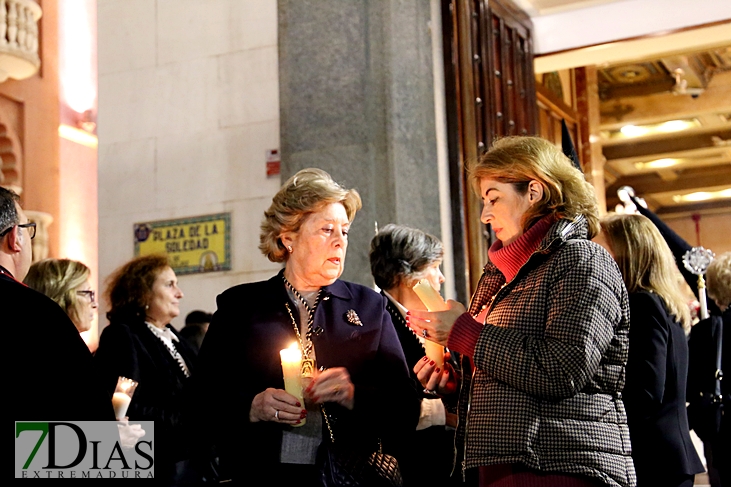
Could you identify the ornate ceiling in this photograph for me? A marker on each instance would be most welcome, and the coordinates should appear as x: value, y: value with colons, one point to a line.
x: 666, y: 130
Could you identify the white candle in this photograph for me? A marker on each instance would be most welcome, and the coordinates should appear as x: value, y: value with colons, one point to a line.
x: 120, y: 401
x: 433, y: 302
x: 122, y: 396
x: 429, y: 296
x: 292, y: 369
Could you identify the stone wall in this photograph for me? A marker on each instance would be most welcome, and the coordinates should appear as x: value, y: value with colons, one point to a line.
x: 188, y: 107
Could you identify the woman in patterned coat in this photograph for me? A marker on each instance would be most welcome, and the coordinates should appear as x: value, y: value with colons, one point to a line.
x: 547, y: 331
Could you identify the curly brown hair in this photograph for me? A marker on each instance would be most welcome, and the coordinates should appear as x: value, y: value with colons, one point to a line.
x: 129, y: 288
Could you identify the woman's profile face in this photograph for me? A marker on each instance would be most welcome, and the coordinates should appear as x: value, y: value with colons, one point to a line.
x: 319, y: 247
x: 165, y: 300
x: 87, y: 306
x: 434, y: 275
x: 503, y: 208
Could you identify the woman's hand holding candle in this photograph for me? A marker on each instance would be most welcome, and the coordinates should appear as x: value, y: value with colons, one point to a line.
x: 332, y: 385
x: 277, y: 405
x: 437, y: 324
x: 442, y: 380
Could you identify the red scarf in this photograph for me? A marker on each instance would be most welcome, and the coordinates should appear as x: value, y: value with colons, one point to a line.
x: 511, y: 258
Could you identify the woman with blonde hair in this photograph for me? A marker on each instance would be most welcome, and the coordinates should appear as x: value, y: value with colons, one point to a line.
x: 658, y: 359
x: 547, y: 331
x: 67, y: 283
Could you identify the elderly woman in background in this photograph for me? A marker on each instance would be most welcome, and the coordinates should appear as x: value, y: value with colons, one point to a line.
x: 344, y: 327
x: 400, y: 257
x: 140, y: 344
x: 710, y: 343
x: 657, y: 369
x: 547, y: 330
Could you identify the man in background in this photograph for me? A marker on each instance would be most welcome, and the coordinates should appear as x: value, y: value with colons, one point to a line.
x: 196, y: 326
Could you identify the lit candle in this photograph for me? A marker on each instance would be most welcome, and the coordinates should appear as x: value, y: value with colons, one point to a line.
x: 120, y: 401
x: 433, y: 302
x: 292, y: 369
x: 123, y: 396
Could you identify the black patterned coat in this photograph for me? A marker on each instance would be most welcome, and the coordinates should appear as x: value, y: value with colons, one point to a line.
x: 550, y: 364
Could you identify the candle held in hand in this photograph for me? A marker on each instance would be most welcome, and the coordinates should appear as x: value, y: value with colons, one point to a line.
x: 433, y: 302
x: 120, y: 401
x: 123, y: 396
x: 292, y: 369
x: 429, y: 296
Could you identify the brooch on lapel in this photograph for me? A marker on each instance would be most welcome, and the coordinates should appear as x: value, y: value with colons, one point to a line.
x: 352, y: 317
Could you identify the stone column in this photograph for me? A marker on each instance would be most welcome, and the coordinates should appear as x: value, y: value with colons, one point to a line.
x: 357, y: 100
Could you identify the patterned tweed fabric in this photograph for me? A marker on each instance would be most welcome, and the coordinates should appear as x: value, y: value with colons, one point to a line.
x: 550, y: 364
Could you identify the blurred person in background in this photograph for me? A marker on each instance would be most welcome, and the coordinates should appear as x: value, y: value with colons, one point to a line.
x: 139, y: 343
x: 657, y: 368
x: 710, y: 397
x: 400, y: 257
x: 196, y: 326
x: 67, y: 283
x: 56, y: 362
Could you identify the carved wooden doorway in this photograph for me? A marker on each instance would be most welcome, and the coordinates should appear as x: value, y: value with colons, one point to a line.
x: 490, y: 93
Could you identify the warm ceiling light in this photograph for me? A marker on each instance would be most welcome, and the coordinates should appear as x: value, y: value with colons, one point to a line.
x: 702, y: 196
x: 657, y: 164
x: 670, y: 126
x: 674, y: 126
x: 633, y: 131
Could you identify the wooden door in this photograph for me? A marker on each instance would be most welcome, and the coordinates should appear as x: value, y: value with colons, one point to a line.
x: 489, y: 72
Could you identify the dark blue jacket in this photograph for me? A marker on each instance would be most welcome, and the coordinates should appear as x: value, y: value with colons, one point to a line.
x: 654, y: 393
x: 240, y: 358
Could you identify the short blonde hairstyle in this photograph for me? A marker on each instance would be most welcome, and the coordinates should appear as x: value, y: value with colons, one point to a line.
x: 519, y: 160
x: 645, y: 261
x: 718, y: 280
x: 58, y: 279
x: 308, y: 191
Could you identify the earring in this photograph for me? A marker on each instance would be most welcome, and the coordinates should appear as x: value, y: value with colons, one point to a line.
x: 147, y: 306
x: 289, y: 249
